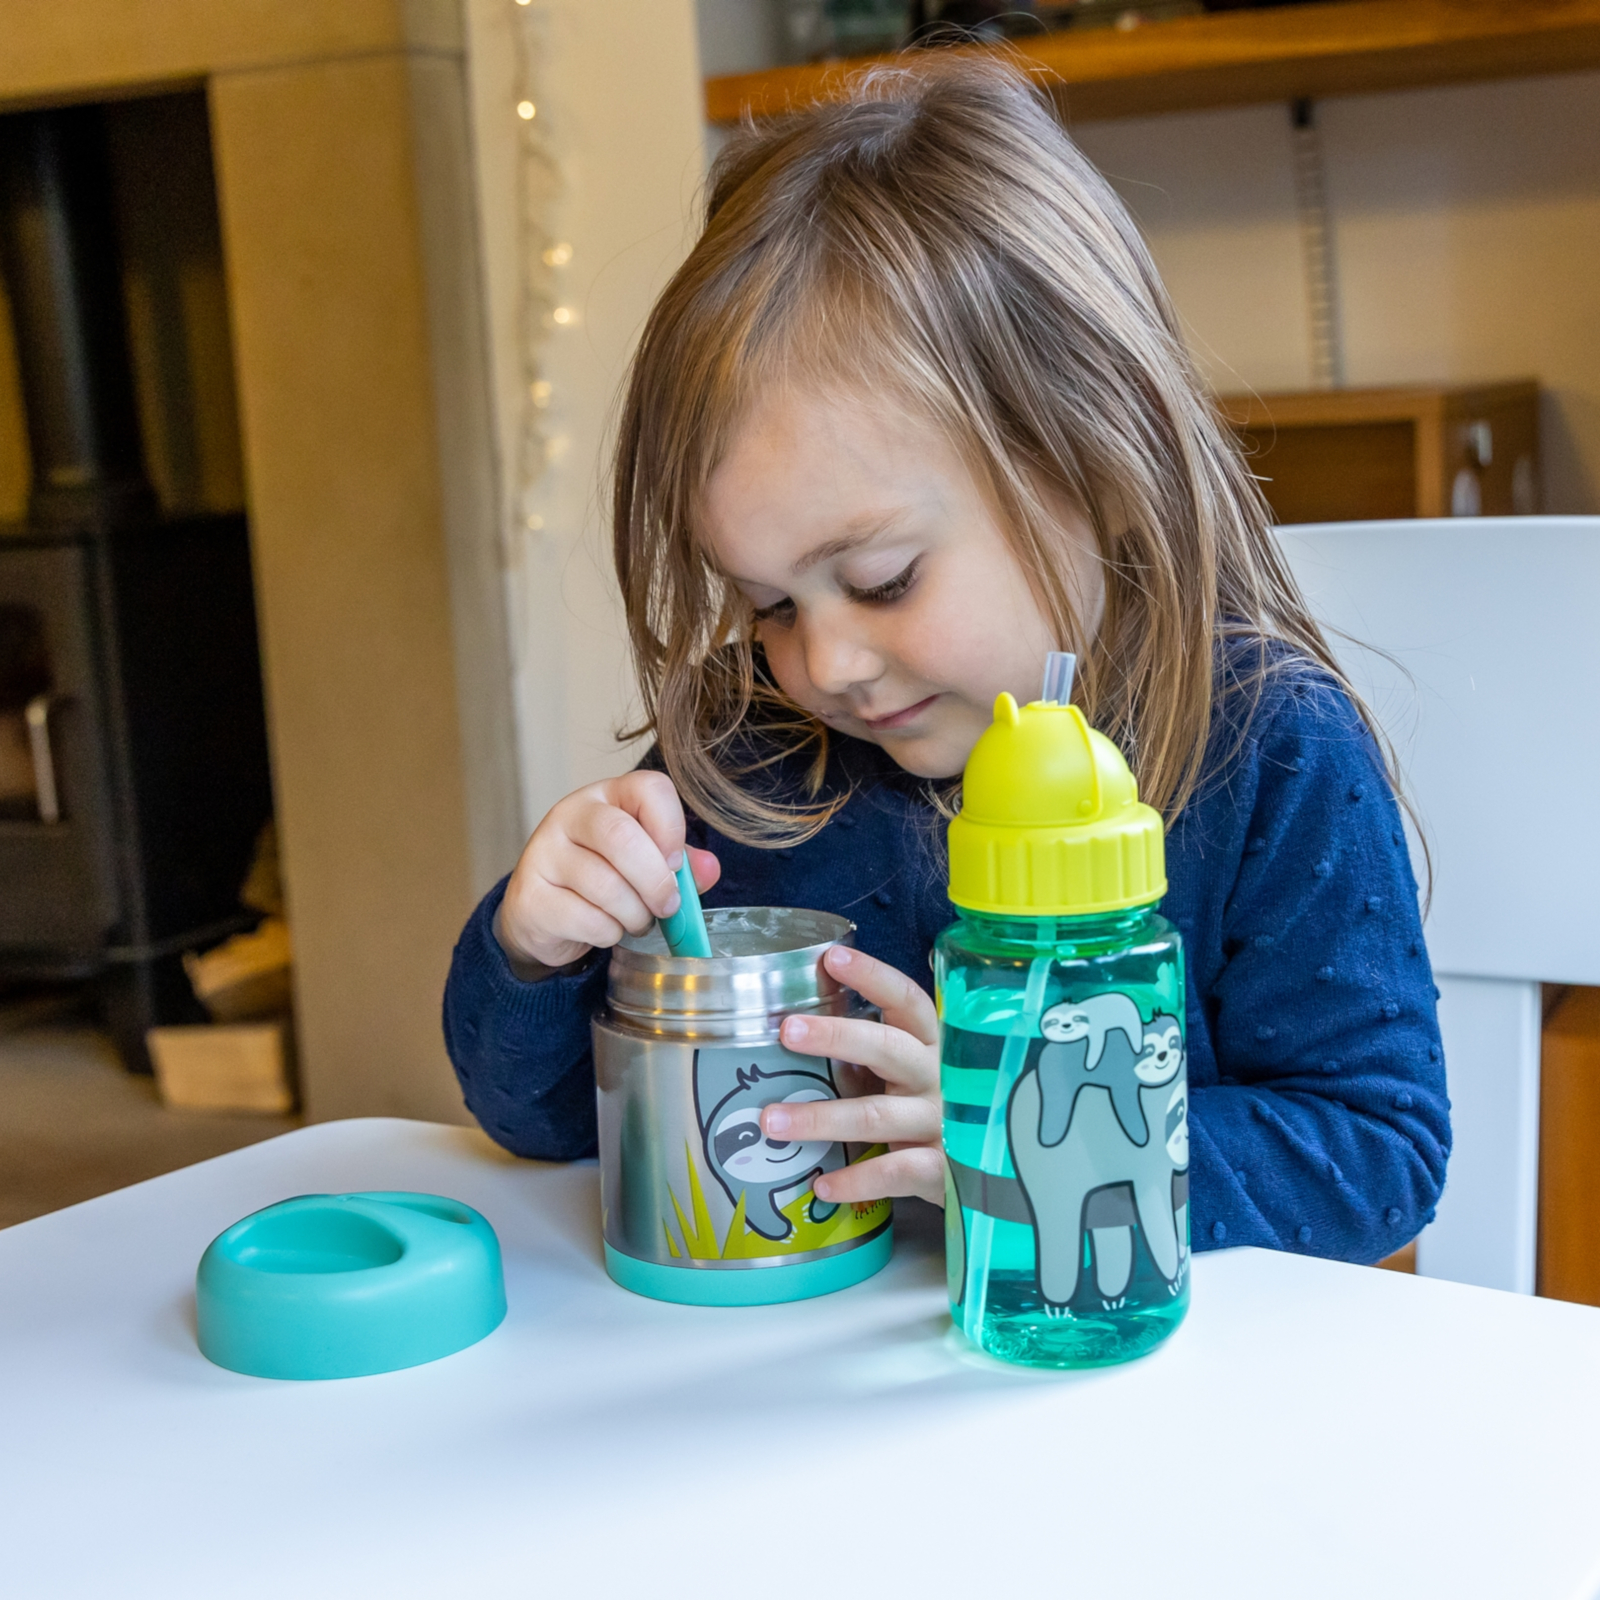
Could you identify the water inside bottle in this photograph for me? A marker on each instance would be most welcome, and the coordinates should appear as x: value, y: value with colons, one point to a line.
x: 999, y: 1305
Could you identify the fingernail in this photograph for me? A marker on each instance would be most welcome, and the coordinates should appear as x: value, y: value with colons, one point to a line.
x: 821, y: 1188
x: 674, y: 900
x: 840, y: 955
x: 776, y: 1120
x: 796, y: 1030
x: 674, y: 861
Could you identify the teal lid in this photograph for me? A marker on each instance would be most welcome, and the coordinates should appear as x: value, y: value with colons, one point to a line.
x: 345, y: 1285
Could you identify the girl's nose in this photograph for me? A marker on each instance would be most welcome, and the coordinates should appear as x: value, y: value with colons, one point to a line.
x: 837, y: 657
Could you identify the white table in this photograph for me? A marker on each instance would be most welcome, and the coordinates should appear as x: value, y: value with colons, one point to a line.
x: 1313, y: 1430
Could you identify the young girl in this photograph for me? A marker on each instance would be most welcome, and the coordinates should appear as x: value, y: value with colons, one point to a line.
x: 914, y: 412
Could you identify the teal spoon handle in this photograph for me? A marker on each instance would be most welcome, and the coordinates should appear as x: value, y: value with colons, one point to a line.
x: 685, y: 929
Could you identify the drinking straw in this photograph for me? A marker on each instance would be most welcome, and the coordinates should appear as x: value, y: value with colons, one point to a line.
x: 1059, y: 666
x: 685, y: 929
x: 1013, y: 1056
x: 1058, y: 670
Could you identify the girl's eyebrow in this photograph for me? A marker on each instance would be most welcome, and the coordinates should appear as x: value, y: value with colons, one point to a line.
x: 868, y: 529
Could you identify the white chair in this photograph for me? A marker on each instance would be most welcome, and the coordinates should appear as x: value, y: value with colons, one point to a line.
x: 1492, y: 699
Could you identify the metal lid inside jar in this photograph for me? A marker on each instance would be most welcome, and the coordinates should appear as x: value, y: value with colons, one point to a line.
x: 766, y: 960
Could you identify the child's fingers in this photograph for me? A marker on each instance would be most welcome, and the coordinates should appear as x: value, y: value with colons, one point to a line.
x: 652, y: 800
x: 705, y: 866
x: 578, y: 920
x: 871, y: 1119
x: 593, y: 879
x: 618, y: 839
x: 900, y: 1172
x: 600, y: 865
x: 892, y: 1053
x: 904, y: 1004
x: 524, y: 940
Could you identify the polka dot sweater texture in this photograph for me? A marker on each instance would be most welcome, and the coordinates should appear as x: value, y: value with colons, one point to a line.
x: 1318, y: 1115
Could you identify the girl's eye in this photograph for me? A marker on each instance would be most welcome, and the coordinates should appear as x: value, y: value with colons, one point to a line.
x: 780, y: 612
x: 886, y: 592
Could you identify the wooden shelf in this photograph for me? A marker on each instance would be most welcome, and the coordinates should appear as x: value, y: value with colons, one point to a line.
x: 1249, y: 57
x: 1360, y: 455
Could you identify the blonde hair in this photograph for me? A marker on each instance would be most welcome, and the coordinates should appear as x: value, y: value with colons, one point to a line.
x: 939, y: 236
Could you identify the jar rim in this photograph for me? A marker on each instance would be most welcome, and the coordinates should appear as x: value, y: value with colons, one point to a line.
x: 650, y: 988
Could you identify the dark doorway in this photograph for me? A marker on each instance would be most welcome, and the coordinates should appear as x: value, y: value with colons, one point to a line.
x: 134, y: 778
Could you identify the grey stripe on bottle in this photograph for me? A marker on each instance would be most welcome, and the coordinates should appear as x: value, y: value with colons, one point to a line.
x: 1003, y: 1198
x: 955, y: 1111
x: 994, y: 1196
x: 972, y: 1051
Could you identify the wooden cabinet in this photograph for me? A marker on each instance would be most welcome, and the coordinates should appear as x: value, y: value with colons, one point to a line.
x: 1569, y: 1139
x: 1358, y: 455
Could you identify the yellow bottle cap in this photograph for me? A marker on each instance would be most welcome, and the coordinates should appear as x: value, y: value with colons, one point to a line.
x: 1051, y: 823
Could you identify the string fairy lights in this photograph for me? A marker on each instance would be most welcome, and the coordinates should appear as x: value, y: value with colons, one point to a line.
x: 545, y: 311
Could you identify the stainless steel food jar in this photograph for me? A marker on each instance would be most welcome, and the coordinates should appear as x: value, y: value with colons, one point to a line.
x: 697, y: 1205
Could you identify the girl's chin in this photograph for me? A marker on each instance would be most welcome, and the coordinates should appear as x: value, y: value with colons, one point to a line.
x: 923, y: 758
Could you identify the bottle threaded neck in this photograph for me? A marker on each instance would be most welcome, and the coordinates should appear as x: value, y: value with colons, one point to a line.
x: 1025, y: 933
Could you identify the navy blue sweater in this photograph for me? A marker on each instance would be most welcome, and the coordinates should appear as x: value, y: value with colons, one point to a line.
x: 1318, y: 1116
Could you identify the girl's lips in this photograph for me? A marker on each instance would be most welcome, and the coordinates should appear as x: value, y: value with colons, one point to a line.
x: 898, y: 719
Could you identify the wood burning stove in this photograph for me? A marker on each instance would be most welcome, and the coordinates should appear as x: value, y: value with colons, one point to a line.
x: 133, y: 762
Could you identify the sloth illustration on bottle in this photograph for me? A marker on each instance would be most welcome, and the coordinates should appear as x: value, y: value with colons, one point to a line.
x: 731, y: 1086
x: 1103, y: 1164
x: 1092, y: 1043
x: 1162, y: 1054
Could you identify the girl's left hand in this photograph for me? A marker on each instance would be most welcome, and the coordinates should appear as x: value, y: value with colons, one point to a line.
x: 902, y: 1050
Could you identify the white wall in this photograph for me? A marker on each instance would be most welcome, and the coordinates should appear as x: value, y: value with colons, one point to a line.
x: 1467, y: 231
x: 619, y: 162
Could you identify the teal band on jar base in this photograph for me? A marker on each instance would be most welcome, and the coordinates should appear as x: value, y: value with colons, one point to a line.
x: 759, y: 1286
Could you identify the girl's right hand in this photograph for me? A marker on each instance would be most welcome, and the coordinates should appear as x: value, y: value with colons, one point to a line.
x: 600, y: 865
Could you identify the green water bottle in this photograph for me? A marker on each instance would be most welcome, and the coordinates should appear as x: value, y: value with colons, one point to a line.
x: 1062, y: 1064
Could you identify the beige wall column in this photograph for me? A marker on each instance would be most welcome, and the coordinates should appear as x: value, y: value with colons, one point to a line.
x: 452, y: 255
x: 611, y: 194
x: 323, y: 233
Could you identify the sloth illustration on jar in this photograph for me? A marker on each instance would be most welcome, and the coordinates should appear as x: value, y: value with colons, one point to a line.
x: 745, y: 1154
x: 766, y: 1172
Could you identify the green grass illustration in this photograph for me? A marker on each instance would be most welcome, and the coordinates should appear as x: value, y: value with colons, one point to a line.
x: 698, y: 1240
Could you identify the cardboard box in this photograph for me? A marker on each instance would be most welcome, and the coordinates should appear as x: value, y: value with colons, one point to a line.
x: 241, y: 1066
x: 246, y: 979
